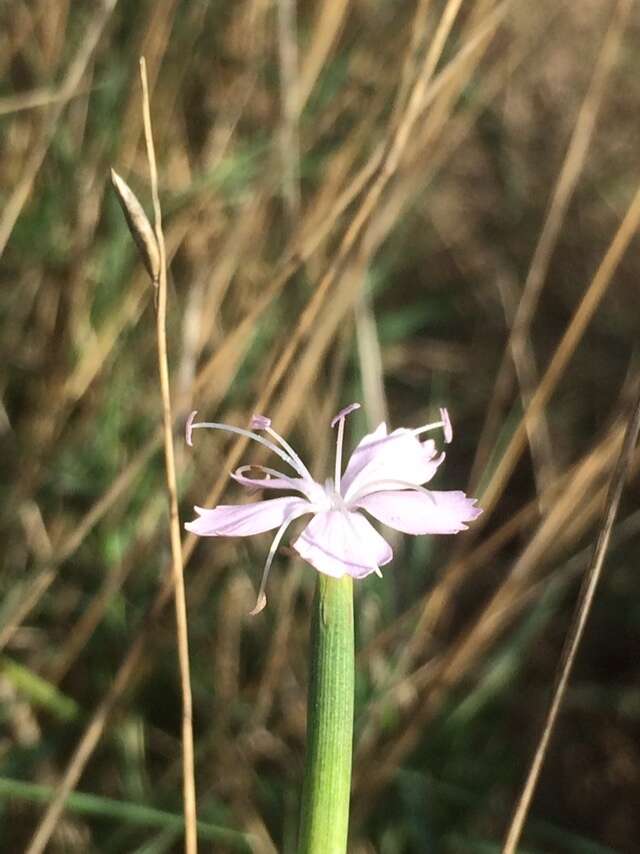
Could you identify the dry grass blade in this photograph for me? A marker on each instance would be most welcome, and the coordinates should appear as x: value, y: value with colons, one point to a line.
x: 290, y: 146
x: 85, y: 748
x: 329, y: 21
x: 46, y: 576
x: 222, y: 365
x: 188, y: 781
x: 35, y: 99
x: 18, y: 198
x: 565, y: 187
x: 576, y: 632
x: 370, y: 357
x: 565, y: 350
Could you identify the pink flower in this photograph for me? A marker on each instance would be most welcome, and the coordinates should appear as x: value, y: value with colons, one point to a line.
x: 384, y: 476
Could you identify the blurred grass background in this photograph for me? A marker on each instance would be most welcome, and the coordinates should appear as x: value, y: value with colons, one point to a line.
x: 407, y: 204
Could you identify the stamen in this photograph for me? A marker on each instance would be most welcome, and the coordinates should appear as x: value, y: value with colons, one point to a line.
x: 427, y: 427
x: 239, y: 475
x: 256, y: 483
x: 339, y: 420
x: 261, y: 422
x: 294, y: 462
x: 344, y: 412
x: 188, y: 428
x: 261, y: 601
x: 304, y: 471
x: 446, y: 426
x: 250, y: 484
x: 447, y: 429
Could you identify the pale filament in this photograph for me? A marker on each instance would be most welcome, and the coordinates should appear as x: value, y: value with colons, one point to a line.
x: 445, y: 423
x: 261, y: 601
x: 293, y: 461
x: 304, y: 471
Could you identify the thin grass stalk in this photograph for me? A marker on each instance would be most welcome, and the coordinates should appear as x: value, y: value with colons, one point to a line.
x: 563, y: 353
x: 324, y: 823
x: 562, y: 195
x: 188, y: 763
x: 583, y: 609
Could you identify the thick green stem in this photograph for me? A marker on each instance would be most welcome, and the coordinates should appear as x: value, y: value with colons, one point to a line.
x: 324, y: 823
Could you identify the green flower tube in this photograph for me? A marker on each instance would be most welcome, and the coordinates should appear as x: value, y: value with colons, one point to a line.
x: 324, y: 823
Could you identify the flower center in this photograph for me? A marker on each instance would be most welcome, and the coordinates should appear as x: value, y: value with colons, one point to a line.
x: 336, y: 501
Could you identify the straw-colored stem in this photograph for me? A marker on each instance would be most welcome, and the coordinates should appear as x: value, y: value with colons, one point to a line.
x: 324, y: 821
x: 188, y: 765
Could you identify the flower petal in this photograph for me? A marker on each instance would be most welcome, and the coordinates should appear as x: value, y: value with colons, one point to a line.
x: 243, y: 520
x: 422, y: 512
x: 337, y: 542
x: 397, y: 456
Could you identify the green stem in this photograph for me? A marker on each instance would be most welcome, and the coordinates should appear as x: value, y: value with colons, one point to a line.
x: 324, y: 823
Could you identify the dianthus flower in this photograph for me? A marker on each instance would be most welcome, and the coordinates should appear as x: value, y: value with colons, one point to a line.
x: 384, y: 477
